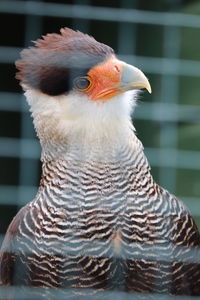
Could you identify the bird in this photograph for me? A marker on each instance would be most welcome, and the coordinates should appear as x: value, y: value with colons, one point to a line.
x: 99, y: 226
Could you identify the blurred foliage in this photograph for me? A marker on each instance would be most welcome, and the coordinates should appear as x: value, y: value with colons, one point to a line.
x: 150, y: 43
x: 145, y: 47
x: 189, y: 137
x: 188, y: 181
x: 189, y: 89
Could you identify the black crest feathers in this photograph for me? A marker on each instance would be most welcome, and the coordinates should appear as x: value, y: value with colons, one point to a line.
x: 57, y: 59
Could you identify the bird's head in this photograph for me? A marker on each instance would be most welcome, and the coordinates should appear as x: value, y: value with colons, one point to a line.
x: 75, y: 84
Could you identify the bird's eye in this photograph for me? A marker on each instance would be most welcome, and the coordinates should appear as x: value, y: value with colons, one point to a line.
x: 82, y: 83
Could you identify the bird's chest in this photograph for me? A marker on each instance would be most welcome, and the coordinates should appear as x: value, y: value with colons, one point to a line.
x: 94, y: 210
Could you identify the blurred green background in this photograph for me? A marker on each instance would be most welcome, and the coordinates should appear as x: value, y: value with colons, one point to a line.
x: 162, y: 37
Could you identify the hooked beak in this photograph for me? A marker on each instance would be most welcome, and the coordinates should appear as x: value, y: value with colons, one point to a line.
x: 132, y: 79
x: 114, y: 77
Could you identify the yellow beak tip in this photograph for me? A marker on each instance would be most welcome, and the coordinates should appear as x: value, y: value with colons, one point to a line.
x: 149, y: 89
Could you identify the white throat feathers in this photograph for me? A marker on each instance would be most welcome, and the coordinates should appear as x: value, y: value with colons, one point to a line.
x: 75, y: 122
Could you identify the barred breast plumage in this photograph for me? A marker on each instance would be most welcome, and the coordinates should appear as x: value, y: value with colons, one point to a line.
x: 99, y: 227
x: 104, y: 226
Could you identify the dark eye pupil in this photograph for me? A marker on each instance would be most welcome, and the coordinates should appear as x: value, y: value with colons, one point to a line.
x: 81, y: 83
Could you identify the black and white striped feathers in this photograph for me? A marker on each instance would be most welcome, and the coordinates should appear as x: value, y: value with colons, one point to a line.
x: 99, y: 225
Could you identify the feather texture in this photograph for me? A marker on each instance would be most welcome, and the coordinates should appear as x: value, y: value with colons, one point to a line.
x: 103, y: 226
x: 99, y: 224
x: 57, y: 59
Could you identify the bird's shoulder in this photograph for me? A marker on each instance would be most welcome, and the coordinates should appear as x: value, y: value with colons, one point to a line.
x: 7, y: 252
x: 13, y: 228
x: 184, y: 228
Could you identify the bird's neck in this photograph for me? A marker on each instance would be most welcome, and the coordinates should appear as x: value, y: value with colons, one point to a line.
x: 99, y: 143
x: 73, y: 126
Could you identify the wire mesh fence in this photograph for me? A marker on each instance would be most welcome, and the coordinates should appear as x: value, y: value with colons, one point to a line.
x: 168, y: 122
x: 63, y: 293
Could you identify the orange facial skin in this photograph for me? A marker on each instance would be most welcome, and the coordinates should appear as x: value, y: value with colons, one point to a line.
x: 105, y: 79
